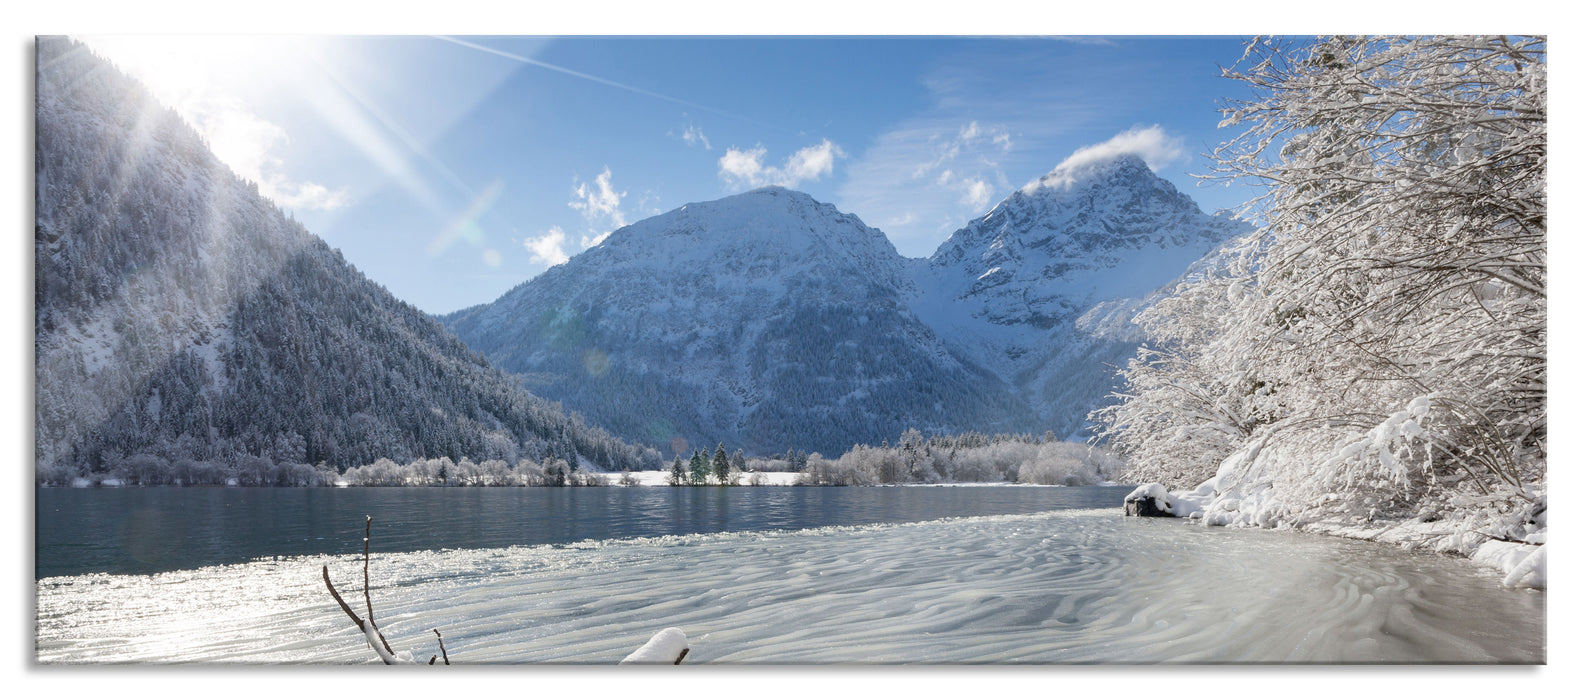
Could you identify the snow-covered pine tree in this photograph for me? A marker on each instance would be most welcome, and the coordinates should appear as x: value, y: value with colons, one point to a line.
x: 721, y: 465
x: 699, y: 468
x: 678, y: 472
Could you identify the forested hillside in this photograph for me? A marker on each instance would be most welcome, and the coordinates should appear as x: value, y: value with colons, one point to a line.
x: 183, y: 319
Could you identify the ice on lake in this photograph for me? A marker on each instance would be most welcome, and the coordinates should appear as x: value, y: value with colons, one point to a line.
x: 1072, y: 586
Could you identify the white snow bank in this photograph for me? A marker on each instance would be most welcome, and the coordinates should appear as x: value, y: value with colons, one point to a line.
x: 1241, y: 495
x: 666, y: 648
x: 1524, y: 565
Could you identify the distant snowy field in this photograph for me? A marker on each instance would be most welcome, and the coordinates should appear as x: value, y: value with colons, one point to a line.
x: 1068, y: 586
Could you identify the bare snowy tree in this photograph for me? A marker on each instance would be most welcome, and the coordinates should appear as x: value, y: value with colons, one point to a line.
x: 1382, y: 336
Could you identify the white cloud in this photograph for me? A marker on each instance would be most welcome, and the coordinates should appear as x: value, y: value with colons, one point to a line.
x: 746, y: 168
x: 548, y: 249
x: 694, y: 136
x: 306, y: 195
x: 977, y: 194
x: 648, y: 205
x: 1152, y: 144
x: 971, y: 139
x: 965, y: 163
x: 812, y: 162
x: 929, y: 177
x: 600, y: 205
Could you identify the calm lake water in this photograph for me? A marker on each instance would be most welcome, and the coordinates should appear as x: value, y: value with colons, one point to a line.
x: 150, y: 530
x: 761, y: 576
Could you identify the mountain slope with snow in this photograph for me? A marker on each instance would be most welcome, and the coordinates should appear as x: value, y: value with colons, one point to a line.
x: 770, y: 320
x: 765, y: 319
x: 181, y: 315
x: 1043, y: 286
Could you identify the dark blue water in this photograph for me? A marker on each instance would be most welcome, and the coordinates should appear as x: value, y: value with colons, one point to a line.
x: 150, y: 530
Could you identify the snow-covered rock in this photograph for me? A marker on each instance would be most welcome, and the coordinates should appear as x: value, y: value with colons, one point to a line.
x: 1240, y: 496
x: 668, y: 647
x: 1149, y: 501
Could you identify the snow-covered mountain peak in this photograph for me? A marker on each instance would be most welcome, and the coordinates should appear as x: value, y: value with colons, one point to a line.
x: 1088, y: 174
x: 1097, y: 216
x: 766, y: 319
x: 775, y: 230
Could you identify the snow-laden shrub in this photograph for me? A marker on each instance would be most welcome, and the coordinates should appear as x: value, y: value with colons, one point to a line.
x: 142, y: 470
x: 1069, y: 464
x: 56, y: 474
x: 1006, y: 459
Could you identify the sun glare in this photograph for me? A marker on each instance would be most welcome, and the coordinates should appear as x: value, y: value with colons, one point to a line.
x: 179, y: 67
x: 218, y: 85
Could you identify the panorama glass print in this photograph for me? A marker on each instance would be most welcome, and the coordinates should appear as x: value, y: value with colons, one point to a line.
x: 751, y: 350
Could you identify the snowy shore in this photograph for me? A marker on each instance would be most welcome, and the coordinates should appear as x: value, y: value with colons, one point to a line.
x: 1519, y: 551
x: 1065, y: 586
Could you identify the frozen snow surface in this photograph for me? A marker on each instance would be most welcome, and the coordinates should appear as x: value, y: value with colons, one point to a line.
x: 1063, y: 587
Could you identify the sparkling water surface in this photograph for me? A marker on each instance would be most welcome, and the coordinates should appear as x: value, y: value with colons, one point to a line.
x: 1055, y: 576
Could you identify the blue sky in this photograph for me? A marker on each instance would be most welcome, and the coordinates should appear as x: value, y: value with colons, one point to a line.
x: 451, y: 169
